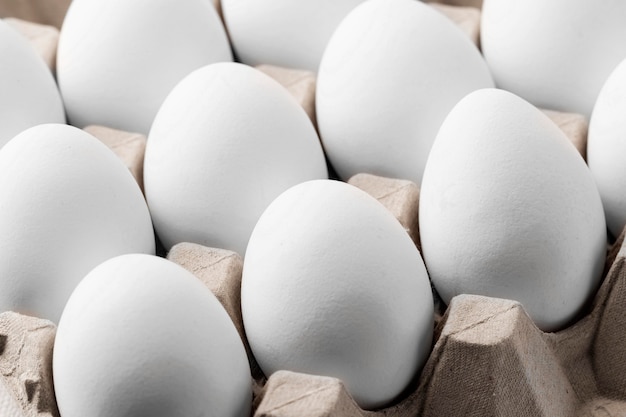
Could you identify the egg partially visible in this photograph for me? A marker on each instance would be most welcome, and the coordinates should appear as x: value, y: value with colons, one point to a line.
x: 141, y: 336
x: 28, y: 92
x: 333, y: 285
x: 67, y: 203
x: 555, y: 54
x: 287, y: 33
x: 117, y: 60
x: 226, y: 142
x: 509, y: 209
x: 391, y: 72
x: 606, y: 147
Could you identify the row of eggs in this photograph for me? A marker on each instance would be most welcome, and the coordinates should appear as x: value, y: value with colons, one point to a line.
x: 507, y: 207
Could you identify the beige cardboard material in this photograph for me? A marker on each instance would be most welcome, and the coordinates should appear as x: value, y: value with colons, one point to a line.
x: 400, y: 197
x: 316, y: 396
x: 9, y: 407
x: 218, y: 7
x: 26, y: 365
x: 300, y: 83
x: 489, y: 359
x: 574, y: 125
x: 44, y: 38
x: 48, y: 12
x: 463, y: 3
x: 466, y: 18
x: 220, y: 270
x: 129, y: 147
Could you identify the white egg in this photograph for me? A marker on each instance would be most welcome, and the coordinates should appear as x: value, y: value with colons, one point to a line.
x: 390, y: 74
x: 67, y: 204
x: 606, y: 147
x: 28, y: 92
x: 509, y: 209
x: 333, y: 285
x: 287, y: 33
x: 117, y: 60
x: 225, y: 143
x: 555, y: 54
x: 141, y: 336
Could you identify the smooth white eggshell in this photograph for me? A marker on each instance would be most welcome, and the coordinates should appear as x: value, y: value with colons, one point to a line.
x: 509, y: 209
x: 555, y: 54
x: 117, y: 60
x: 333, y: 285
x: 141, y: 336
x: 287, y: 33
x: 390, y: 74
x: 225, y: 143
x: 67, y: 204
x: 28, y: 92
x: 606, y: 147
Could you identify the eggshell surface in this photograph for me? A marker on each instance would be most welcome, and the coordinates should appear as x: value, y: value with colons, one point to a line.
x: 509, y: 209
x: 333, y: 285
x: 555, y: 54
x: 225, y: 143
x: 117, y: 60
x: 390, y: 74
x: 29, y: 95
x: 141, y: 336
x: 606, y: 148
x: 283, y: 32
x: 67, y: 203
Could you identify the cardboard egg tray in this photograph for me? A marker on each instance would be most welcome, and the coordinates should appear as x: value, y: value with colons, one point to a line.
x: 487, y: 358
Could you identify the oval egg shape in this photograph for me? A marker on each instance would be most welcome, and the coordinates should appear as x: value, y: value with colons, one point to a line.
x: 390, y: 74
x: 29, y: 94
x: 68, y: 204
x: 225, y: 143
x: 117, y: 60
x: 606, y: 147
x: 509, y: 209
x: 555, y: 54
x: 333, y: 285
x: 283, y: 32
x: 141, y: 336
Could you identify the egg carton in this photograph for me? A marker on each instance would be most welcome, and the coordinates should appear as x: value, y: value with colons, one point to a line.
x: 488, y: 359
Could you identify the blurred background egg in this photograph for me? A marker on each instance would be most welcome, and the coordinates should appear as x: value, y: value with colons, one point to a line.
x: 225, y: 143
x: 141, y: 336
x: 390, y: 74
x: 333, y: 285
x: 28, y: 92
x: 287, y: 33
x: 509, y: 209
x: 67, y: 203
x: 555, y: 54
x: 606, y: 147
x: 118, y: 59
